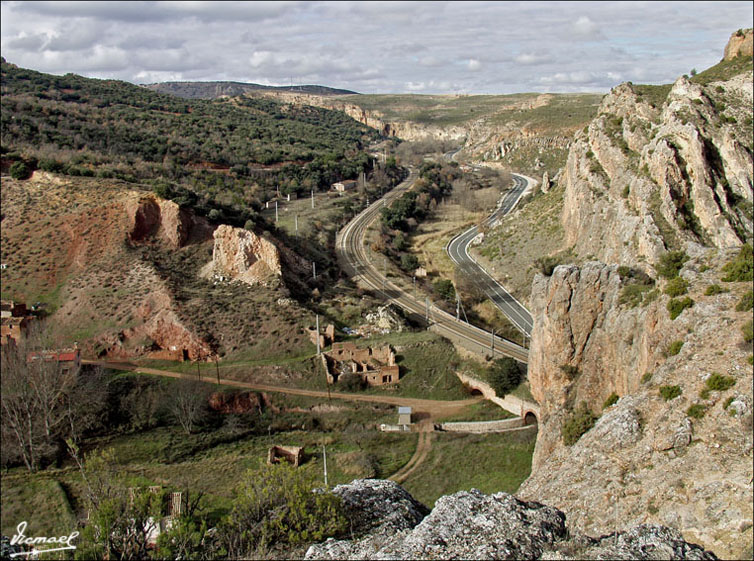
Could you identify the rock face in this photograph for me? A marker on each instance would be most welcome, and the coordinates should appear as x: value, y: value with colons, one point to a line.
x: 646, y: 460
x: 165, y: 222
x: 245, y: 256
x: 643, y: 177
x: 739, y: 44
x: 390, y: 524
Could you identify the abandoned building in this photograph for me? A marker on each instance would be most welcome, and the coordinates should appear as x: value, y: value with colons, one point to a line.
x: 376, y: 366
x: 345, y: 185
x: 173, y: 505
x: 9, y: 308
x: 13, y: 329
x: 325, y: 339
x: 66, y: 359
x: 294, y: 455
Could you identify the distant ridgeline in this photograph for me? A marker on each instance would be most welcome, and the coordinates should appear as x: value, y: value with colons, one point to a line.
x: 194, y: 151
x: 213, y: 90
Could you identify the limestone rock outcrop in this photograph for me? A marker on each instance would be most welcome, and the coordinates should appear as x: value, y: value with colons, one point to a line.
x: 739, y: 44
x: 646, y: 460
x: 164, y: 221
x: 390, y: 524
x: 245, y: 256
x: 643, y: 177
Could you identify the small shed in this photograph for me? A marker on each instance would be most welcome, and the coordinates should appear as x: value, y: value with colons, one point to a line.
x: 404, y: 415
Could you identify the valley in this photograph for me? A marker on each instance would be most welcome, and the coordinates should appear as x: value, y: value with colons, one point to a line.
x: 235, y: 269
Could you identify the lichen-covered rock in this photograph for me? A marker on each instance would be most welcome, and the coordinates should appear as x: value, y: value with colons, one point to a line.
x: 472, y: 525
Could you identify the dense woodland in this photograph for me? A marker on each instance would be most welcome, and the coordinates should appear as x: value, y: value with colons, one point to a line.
x: 231, y: 153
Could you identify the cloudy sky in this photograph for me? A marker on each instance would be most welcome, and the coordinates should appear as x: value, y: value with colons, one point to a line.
x: 376, y: 47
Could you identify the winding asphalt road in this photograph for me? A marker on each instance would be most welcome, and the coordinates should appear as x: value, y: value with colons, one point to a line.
x: 458, y: 250
x: 354, y: 259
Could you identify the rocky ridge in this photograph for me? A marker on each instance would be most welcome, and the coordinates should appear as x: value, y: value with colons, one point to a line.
x: 389, y: 524
x: 642, y: 179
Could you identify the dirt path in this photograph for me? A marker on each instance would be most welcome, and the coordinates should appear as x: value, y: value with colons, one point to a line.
x: 423, y: 446
x: 425, y: 409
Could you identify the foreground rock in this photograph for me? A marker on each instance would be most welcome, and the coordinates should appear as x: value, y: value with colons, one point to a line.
x: 389, y: 524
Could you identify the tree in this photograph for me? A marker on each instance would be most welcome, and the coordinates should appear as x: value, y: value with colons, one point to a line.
x: 445, y: 289
x: 409, y: 262
x: 19, y: 170
x: 189, y: 403
x: 504, y: 376
x: 37, y: 401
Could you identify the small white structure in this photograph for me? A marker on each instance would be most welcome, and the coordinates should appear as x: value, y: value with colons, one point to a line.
x: 404, y: 415
x: 345, y: 185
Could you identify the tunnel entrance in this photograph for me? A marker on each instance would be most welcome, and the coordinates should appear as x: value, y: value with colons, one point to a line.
x: 530, y: 419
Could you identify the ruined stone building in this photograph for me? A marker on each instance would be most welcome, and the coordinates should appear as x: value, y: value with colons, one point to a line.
x: 294, y: 455
x: 376, y: 366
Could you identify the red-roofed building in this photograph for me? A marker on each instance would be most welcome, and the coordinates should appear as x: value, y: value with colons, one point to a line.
x: 67, y: 359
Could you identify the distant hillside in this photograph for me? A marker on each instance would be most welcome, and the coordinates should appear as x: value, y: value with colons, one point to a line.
x: 227, y: 151
x: 215, y: 90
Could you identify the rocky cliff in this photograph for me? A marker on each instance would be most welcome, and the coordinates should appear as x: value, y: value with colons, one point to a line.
x: 644, y: 177
x: 739, y: 44
x: 658, y: 169
x: 685, y: 462
x: 387, y: 523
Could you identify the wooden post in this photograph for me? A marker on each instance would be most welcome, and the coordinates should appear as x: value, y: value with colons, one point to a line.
x: 217, y: 370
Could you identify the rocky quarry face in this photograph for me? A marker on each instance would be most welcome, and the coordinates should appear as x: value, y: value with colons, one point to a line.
x: 245, y: 256
x: 387, y: 523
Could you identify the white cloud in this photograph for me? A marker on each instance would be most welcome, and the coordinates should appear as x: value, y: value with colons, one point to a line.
x: 474, y: 65
x: 585, y: 28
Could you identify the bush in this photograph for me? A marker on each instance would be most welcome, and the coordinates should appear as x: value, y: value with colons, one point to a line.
x: 570, y: 371
x: 746, y: 302
x: 720, y: 383
x: 277, y: 504
x: 445, y: 289
x: 671, y: 263
x: 409, y: 262
x: 612, y: 399
x: 676, y: 287
x: 748, y: 331
x: 351, y: 382
x: 742, y: 267
x: 670, y: 392
x: 715, y: 289
x: 646, y: 377
x: 504, y: 376
x: 675, y: 348
x: 19, y: 170
x: 547, y: 265
x: 697, y: 411
x: 676, y: 306
x: 577, y: 424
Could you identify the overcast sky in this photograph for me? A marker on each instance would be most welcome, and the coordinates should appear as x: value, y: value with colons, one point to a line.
x: 376, y: 47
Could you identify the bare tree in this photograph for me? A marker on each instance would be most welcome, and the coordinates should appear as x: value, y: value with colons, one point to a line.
x: 189, y: 403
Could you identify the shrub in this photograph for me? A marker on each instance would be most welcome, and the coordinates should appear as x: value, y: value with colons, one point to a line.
x: 671, y: 263
x: 19, y: 170
x: 742, y: 267
x: 570, y: 371
x: 409, y: 262
x: 612, y: 399
x: 547, y: 265
x: 670, y: 392
x: 504, y: 376
x: 676, y: 287
x: 351, y: 382
x: 675, y: 348
x: 748, y: 331
x: 746, y: 302
x: 276, y: 504
x: 728, y: 402
x: 577, y: 424
x: 720, y: 383
x: 697, y: 411
x: 445, y: 289
x: 646, y: 377
x: 715, y: 289
x: 676, y: 306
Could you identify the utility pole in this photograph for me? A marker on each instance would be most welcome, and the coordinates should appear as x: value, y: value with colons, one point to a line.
x: 426, y: 312
x: 296, y: 219
x: 324, y: 456
x: 492, y: 343
x: 319, y: 350
x: 312, y: 198
x: 217, y: 370
x: 276, y: 212
x: 458, y: 307
x: 414, y: 277
x: 198, y: 372
x: 314, y: 270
